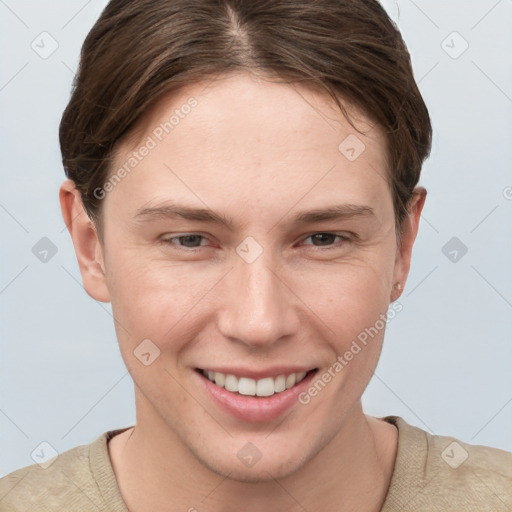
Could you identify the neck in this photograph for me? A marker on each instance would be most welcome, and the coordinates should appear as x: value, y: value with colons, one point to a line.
x: 155, y: 471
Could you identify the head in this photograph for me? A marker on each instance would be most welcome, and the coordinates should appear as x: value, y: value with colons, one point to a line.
x: 262, y: 126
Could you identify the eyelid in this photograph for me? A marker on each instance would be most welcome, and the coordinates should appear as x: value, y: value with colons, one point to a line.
x: 344, y: 234
x: 168, y: 240
x: 345, y: 237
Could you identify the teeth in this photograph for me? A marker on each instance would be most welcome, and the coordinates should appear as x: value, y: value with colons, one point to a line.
x: 250, y: 387
x: 265, y: 387
x: 220, y: 379
x: 246, y: 386
x: 280, y: 384
x: 231, y: 383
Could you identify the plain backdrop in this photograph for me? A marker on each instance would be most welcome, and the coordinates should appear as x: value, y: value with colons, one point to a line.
x: 447, y: 356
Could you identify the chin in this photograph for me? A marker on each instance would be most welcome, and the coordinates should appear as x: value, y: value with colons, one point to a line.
x: 262, y: 473
x: 264, y: 470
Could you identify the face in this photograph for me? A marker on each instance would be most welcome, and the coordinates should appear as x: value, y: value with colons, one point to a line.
x: 254, y: 241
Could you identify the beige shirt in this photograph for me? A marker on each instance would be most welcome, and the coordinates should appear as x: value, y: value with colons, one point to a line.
x: 431, y: 473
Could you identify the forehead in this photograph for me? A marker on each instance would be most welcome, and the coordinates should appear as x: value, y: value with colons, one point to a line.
x: 256, y: 139
x: 242, y: 103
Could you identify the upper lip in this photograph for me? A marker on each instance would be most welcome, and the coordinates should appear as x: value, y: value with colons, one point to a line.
x: 251, y: 373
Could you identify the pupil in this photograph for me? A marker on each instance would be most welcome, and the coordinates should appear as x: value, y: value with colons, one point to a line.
x: 327, y: 235
x: 190, y: 237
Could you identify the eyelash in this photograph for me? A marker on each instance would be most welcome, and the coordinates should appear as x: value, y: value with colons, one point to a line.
x: 344, y: 239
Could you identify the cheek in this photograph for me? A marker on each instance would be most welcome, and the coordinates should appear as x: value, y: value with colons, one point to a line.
x: 169, y: 303
x: 153, y: 298
x: 348, y: 296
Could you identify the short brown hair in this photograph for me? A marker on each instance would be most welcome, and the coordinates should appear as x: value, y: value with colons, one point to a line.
x: 139, y: 50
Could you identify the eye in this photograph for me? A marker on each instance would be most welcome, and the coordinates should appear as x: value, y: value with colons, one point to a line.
x: 327, y: 240
x: 190, y: 240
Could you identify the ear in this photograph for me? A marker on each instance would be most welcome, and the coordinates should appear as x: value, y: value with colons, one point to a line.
x: 88, y: 249
x: 404, y: 250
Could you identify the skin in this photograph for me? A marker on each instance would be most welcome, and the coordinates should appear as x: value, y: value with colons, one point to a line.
x: 257, y: 152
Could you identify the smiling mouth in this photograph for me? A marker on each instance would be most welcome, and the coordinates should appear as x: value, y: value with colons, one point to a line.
x: 246, y: 386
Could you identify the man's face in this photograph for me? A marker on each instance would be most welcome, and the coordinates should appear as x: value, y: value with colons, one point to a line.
x: 269, y: 292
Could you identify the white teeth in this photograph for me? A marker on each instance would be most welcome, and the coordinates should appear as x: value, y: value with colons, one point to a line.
x: 251, y: 387
x: 300, y: 376
x: 265, y: 387
x: 290, y: 380
x: 280, y: 384
x: 246, y: 386
x: 220, y: 379
x: 231, y: 383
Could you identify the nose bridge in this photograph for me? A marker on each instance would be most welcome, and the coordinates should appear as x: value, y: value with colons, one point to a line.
x: 257, y: 310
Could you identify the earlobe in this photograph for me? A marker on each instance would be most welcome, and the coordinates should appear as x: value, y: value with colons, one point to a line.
x: 404, y: 250
x: 88, y: 249
x: 396, y: 292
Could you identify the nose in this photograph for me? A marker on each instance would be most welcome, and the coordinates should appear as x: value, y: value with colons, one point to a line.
x: 259, y: 306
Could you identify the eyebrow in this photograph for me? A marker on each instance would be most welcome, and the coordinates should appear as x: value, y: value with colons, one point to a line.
x: 171, y: 210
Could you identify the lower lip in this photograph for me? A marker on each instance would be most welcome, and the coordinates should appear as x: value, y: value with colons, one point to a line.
x: 254, y: 408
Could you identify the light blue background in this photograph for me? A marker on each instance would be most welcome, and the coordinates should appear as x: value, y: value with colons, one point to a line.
x: 447, y: 356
